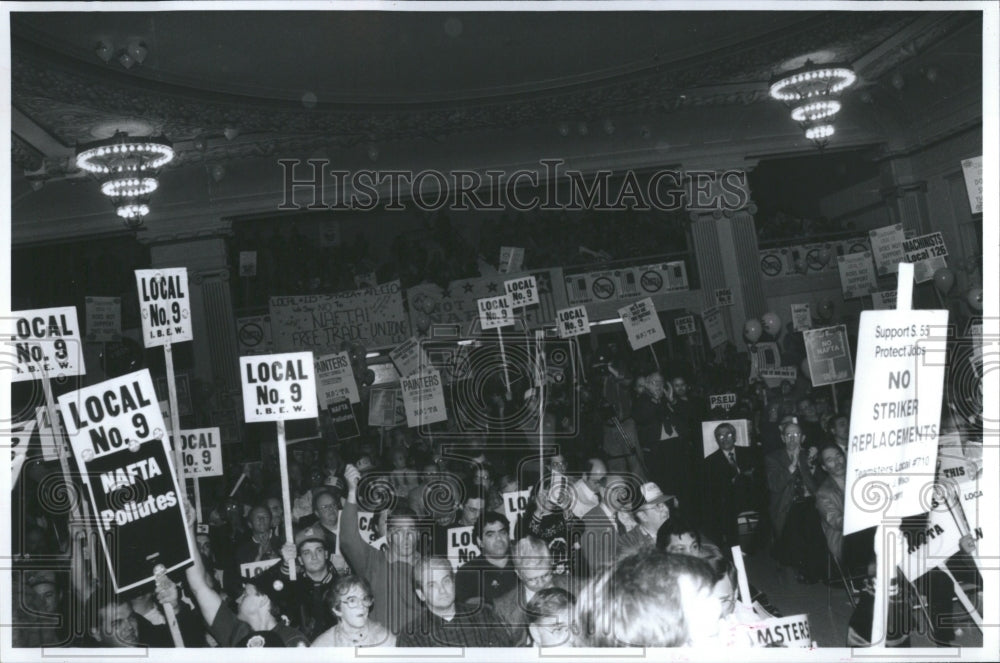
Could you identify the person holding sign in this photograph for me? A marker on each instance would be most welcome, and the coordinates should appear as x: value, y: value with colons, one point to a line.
x: 666, y: 453
x: 486, y: 578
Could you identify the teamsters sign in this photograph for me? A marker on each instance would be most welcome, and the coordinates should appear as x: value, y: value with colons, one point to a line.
x: 118, y: 436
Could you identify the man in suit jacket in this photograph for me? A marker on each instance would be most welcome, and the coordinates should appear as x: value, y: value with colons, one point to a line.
x: 533, y: 564
x: 603, y: 525
x: 830, y: 498
x: 732, y: 477
x: 650, y: 516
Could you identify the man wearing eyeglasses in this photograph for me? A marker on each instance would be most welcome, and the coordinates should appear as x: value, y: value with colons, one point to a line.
x: 533, y: 565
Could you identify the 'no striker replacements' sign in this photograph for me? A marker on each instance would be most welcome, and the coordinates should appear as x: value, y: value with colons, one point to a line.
x: 278, y: 387
x: 165, y: 306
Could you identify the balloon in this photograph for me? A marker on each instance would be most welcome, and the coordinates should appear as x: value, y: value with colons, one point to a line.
x: 975, y: 298
x: 825, y: 309
x: 771, y: 323
x: 369, y: 377
x: 805, y: 368
x: 823, y: 256
x: 944, y: 279
x: 752, y: 330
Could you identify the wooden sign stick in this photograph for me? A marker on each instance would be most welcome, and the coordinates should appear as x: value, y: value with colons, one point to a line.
x: 285, y: 490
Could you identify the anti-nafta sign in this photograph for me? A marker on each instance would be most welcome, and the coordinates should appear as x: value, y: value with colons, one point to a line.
x: 104, y: 319
x: 514, y: 503
x: 857, y: 274
x: 335, y: 379
x: 572, y: 321
x: 716, y: 332
x: 409, y: 357
x: 642, y: 324
x: 801, y: 317
x: 46, y: 343
x: 461, y: 549
x: 165, y: 305
x: 251, y: 570
x: 684, y: 325
x: 201, y: 453
x: 278, y: 387
x: 522, y: 291
x: 345, y: 424
x: 116, y: 432
x: 927, y: 253
x: 887, y: 248
x: 423, y: 397
x: 511, y: 259
x: 725, y: 401
x: 829, y: 355
x: 894, y: 414
x: 495, y: 312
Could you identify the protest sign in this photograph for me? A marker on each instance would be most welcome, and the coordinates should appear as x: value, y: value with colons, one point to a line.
x: 116, y: 432
x: 461, y: 549
x: 371, y: 316
x: 386, y: 408
x: 887, y: 248
x: 104, y: 318
x: 572, y: 321
x: 684, y: 325
x: 200, y: 452
x: 423, y: 397
x: 764, y: 355
x: 781, y: 632
x: 345, y: 424
x: 335, y: 379
x: 409, y: 357
x: 165, y: 305
x: 895, y: 412
x: 368, y: 527
x: 884, y: 300
x: 927, y: 253
x: 829, y: 355
x: 511, y: 259
x: 857, y: 274
x: 19, y: 436
x: 972, y: 170
x: 278, y: 387
x: 522, y: 291
x: 642, y: 324
x: 724, y: 297
x: 251, y: 570
x: 773, y: 377
x: 46, y: 343
x: 714, y: 329
x: 253, y: 334
x: 725, y: 401
x: 708, y: 443
x: 248, y: 263
x: 514, y: 503
x: 495, y: 312
x: 50, y: 436
x: 801, y: 317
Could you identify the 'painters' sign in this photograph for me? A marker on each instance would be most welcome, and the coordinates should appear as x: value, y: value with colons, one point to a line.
x: 165, y: 306
x: 423, y: 397
x: 335, y: 379
x: 278, y: 387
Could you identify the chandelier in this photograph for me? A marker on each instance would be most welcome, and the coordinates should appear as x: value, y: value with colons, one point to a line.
x: 127, y: 168
x: 810, y: 91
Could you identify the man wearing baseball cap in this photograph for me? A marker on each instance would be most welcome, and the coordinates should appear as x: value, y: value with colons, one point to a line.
x: 653, y: 512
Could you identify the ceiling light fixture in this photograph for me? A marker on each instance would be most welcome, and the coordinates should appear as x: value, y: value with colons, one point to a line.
x: 809, y: 91
x: 127, y: 168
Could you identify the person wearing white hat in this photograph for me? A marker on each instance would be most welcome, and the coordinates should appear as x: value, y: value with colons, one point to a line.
x: 653, y: 512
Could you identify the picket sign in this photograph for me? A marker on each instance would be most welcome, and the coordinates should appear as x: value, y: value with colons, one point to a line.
x: 251, y: 570
x: 277, y: 387
x: 496, y: 313
x: 461, y: 549
x: 514, y: 503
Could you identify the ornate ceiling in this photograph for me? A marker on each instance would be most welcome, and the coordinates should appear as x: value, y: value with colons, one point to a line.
x: 297, y: 80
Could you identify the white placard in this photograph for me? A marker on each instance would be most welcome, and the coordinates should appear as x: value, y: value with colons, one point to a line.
x: 887, y: 248
x: 368, y: 528
x: 895, y: 414
x: 278, y: 387
x: 709, y: 445
x: 725, y: 401
x: 784, y: 632
x: 714, y: 329
x: 409, y: 357
x: 641, y: 323
x: 927, y: 253
x: 423, y: 397
x: 684, y: 325
x: 43, y: 341
x: 495, y: 312
x: 164, y: 305
x: 857, y: 274
x: 49, y: 437
x: 200, y: 453
x: 104, y: 319
x: 572, y: 321
x: 248, y: 263
x: 251, y: 570
x: 801, y: 317
x: 511, y: 259
x: 335, y: 379
x: 972, y: 169
x: 514, y: 504
x: 522, y: 291
x: 884, y: 300
x: 724, y: 297
x: 461, y: 549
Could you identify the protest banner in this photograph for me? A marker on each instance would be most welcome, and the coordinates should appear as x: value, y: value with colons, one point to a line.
x: 514, y: 504
x: 511, y: 259
x: 278, y: 387
x: 320, y: 323
x: 386, y: 408
x: 335, y: 379
x: 790, y: 631
x: 253, y: 335
x: 883, y: 300
x: 409, y: 357
x: 423, y: 397
x: 724, y: 297
x: 116, y: 432
x: 572, y: 321
x: 19, y: 436
x: 495, y: 312
x: 857, y: 274
x: 684, y: 325
x: 927, y: 253
x: 714, y: 329
x: 972, y: 170
x: 829, y: 355
x: 165, y: 305
x: 522, y: 291
x: 345, y: 424
x: 251, y: 570
x: 201, y: 453
x: 642, y: 324
x: 46, y: 342
x: 887, y: 248
x: 461, y: 549
x: 725, y: 401
x: 801, y: 317
x: 248, y: 263
x: 708, y: 443
x: 104, y: 318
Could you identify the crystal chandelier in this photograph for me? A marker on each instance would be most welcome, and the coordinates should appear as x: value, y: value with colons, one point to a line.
x: 810, y: 91
x: 127, y: 168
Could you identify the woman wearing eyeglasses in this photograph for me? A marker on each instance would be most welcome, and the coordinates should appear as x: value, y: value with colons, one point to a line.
x: 350, y: 599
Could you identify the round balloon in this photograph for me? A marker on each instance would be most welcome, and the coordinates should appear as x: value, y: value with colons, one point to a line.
x: 944, y: 279
x: 369, y: 377
x: 975, y: 298
x: 752, y: 330
x: 771, y: 323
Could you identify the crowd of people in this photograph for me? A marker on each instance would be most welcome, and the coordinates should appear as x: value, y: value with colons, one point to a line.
x: 625, y: 537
